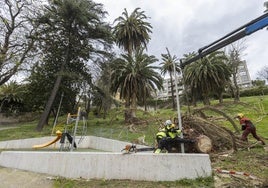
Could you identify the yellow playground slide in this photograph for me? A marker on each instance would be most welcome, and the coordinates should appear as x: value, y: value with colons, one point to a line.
x: 59, y: 133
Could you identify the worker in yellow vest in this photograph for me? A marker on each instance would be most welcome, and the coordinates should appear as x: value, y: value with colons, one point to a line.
x: 169, y: 137
x: 164, y: 136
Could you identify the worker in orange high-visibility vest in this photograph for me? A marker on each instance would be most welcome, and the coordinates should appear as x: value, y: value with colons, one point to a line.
x: 248, y: 127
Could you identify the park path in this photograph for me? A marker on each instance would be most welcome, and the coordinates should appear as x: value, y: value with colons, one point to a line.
x: 13, y: 178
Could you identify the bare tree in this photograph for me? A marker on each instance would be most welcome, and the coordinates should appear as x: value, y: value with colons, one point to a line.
x: 263, y: 73
x: 15, y: 37
x: 235, y: 54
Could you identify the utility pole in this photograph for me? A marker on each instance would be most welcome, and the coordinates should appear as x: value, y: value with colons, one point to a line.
x: 178, y: 106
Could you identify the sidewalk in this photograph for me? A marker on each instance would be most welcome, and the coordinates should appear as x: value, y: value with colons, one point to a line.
x: 13, y: 178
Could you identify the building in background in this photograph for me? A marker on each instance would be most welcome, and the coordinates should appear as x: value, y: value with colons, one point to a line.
x: 243, y: 81
x: 166, y: 92
x: 243, y: 76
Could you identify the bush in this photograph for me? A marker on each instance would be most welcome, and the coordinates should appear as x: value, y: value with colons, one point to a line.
x: 256, y: 91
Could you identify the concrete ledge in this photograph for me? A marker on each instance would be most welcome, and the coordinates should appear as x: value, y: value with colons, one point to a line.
x: 95, y: 142
x: 25, y: 143
x: 100, y: 165
x: 103, y: 165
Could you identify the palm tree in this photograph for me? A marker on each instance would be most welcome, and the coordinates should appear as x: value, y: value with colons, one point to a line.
x: 168, y: 62
x: 10, y: 97
x: 208, y: 74
x: 187, y: 88
x: 132, y: 31
x: 133, y: 77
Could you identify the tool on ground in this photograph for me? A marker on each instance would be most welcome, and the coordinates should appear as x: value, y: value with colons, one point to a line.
x: 132, y: 148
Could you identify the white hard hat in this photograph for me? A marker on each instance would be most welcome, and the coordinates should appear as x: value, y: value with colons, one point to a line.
x: 168, y: 122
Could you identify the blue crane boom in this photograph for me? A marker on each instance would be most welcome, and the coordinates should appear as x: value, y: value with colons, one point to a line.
x: 247, y: 29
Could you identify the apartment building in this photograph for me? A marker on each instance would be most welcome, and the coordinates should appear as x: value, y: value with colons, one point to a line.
x: 243, y: 80
x: 243, y: 76
x: 166, y: 92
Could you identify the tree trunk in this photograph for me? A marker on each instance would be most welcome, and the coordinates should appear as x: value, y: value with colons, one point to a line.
x: 172, y: 91
x: 206, y: 99
x: 220, y: 95
x: 203, y: 144
x: 127, y: 110
x: 236, y: 90
x: 45, y: 114
x: 133, y: 105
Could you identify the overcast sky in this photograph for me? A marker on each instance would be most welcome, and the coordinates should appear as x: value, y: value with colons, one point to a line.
x: 184, y: 26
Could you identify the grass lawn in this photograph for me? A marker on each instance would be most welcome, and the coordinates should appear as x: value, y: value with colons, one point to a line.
x: 253, y: 161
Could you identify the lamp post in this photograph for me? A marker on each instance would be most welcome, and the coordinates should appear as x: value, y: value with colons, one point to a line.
x: 178, y: 105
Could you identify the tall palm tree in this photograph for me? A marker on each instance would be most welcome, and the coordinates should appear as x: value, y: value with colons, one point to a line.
x: 167, y: 66
x: 132, y: 76
x: 208, y: 74
x: 132, y: 31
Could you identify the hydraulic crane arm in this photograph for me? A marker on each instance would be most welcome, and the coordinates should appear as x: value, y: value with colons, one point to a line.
x: 247, y: 29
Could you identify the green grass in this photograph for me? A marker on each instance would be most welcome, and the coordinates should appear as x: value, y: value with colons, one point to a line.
x: 253, y: 161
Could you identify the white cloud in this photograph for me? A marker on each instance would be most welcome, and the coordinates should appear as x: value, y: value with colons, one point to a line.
x: 187, y: 25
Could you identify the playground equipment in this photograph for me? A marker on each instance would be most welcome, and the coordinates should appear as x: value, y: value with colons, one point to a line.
x: 59, y: 135
x: 70, y: 142
x: 67, y: 140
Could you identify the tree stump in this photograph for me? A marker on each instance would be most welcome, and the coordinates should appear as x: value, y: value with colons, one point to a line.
x: 203, y: 144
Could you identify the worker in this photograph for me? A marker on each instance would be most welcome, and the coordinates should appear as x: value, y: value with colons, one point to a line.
x: 248, y: 127
x: 169, y: 137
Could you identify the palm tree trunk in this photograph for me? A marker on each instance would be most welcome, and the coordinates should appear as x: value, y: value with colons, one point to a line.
x: 206, y: 100
x: 172, y: 92
x: 127, y: 109
x: 133, y: 105
x: 220, y: 98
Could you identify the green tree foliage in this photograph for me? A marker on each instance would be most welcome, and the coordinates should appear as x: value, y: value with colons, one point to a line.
x: 191, y: 92
x: 101, y: 92
x: 167, y: 66
x: 11, y: 98
x: 258, y: 83
x: 208, y: 74
x: 132, y: 31
x: 71, y: 34
x: 133, y: 76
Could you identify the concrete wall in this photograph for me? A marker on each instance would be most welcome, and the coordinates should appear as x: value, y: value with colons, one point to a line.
x: 138, y: 166
x: 26, y: 143
x: 104, y: 165
x: 99, y: 143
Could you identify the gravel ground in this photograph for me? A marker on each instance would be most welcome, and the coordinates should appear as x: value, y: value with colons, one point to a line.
x: 13, y: 178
